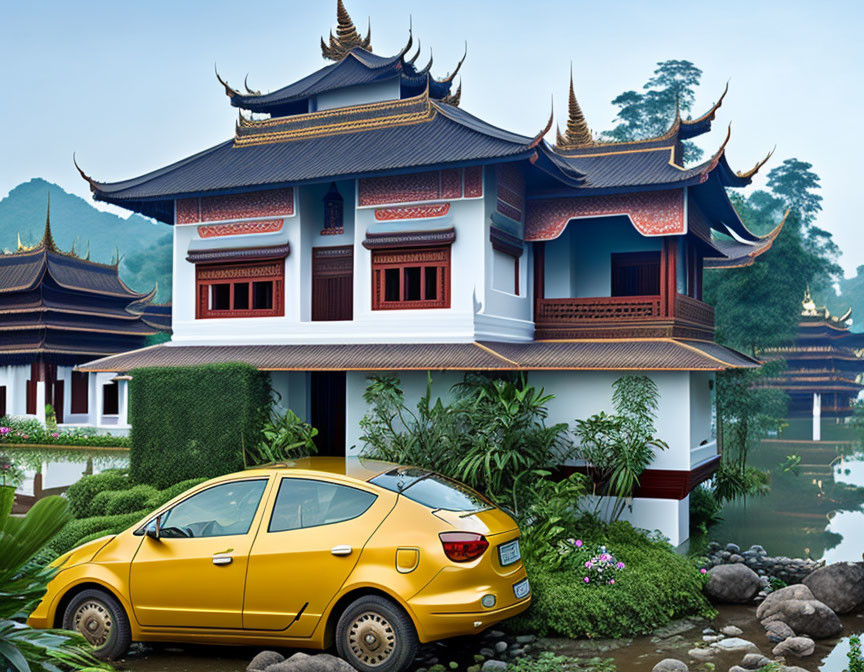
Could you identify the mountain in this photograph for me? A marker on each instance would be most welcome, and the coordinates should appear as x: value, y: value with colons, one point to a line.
x: 144, y: 244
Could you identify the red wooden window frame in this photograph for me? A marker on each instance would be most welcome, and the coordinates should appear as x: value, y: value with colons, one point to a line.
x: 402, y: 259
x: 79, y: 392
x: 208, y: 275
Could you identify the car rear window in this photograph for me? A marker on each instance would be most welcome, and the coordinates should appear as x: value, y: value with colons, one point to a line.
x: 303, y: 503
x: 431, y: 489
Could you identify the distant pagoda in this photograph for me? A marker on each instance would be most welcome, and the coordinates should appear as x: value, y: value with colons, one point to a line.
x: 58, y: 310
x: 825, y: 360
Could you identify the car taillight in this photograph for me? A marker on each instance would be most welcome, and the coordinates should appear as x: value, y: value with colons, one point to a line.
x: 463, y: 546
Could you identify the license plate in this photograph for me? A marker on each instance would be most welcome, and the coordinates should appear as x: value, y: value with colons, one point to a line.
x: 521, y: 589
x: 509, y: 553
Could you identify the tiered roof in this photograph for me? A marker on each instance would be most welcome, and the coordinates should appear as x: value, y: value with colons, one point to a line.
x: 66, y: 309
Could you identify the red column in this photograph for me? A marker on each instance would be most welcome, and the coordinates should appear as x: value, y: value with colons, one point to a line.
x: 539, y: 275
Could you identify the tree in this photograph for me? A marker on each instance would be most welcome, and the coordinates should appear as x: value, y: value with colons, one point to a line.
x: 647, y: 114
x: 795, y: 183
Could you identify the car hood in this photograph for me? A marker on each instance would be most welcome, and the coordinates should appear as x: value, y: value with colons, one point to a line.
x: 488, y: 522
x: 81, y: 554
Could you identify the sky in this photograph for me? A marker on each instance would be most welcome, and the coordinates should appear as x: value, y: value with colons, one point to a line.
x: 129, y: 86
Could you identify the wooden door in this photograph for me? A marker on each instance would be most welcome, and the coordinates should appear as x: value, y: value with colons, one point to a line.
x: 327, y: 394
x: 332, y: 283
x: 57, y: 401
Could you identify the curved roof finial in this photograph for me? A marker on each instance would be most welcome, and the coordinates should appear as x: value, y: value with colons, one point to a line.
x: 229, y: 91
x: 539, y: 137
x: 410, y: 42
x: 755, y: 169
x: 416, y: 55
x: 86, y: 177
x: 347, y: 37
x: 251, y: 92
x: 428, y: 67
x: 454, y: 98
x: 449, y: 78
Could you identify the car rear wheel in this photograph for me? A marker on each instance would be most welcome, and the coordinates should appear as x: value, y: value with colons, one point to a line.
x: 376, y: 635
x: 101, y: 619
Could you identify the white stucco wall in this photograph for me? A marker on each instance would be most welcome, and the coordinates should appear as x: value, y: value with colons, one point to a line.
x: 579, y: 264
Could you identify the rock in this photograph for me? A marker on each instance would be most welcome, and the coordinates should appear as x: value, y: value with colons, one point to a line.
x: 670, y: 665
x: 302, y: 662
x: 701, y: 654
x: 494, y: 666
x: 501, y: 646
x: 732, y: 583
x: 526, y: 639
x: 732, y: 631
x: 799, y: 646
x: 755, y: 661
x: 733, y: 548
x: 737, y: 668
x: 494, y: 634
x: 777, y: 631
x: 840, y: 586
x: 796, y: 607
x: 486, y: 652
x: 735, y: 644
x: 736, y: 558
x: 264, y: 660
x: 711, y: 638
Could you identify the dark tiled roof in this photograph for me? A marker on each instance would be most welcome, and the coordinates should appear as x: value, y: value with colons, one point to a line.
x: 659, y: 354
x: 738, y: 254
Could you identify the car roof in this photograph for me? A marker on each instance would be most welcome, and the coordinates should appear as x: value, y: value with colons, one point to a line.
x: 358, y: 468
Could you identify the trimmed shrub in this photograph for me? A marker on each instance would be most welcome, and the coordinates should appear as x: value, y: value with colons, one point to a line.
x: 657, y: 587
x: 194, y: 421
x: 75, y: 531
x: 136, y: 498
x: 82, y: 495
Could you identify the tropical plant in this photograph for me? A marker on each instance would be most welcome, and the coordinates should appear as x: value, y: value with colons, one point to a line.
x: 704, y: 509
x: 283, y: 436
x: 618, y: 448
x: 10, y: 473
x: 856, y: 659
x: 50, y: 418
x: 551, y: 517
x: 24, y: 582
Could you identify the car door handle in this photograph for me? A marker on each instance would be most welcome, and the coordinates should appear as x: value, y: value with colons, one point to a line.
x: 222, y: 559
x: 341, y: 550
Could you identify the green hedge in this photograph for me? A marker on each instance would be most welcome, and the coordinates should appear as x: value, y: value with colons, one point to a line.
x: 83, y: 493
x: 193, y: 421
x: 76, y: 531
x: 657, y: 586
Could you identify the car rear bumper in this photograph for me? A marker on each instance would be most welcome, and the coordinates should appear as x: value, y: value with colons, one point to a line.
x: 438, y: 624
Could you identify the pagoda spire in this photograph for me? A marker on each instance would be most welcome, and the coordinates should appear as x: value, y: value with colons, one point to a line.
x: 577, y: 133
x: 347, y: 37
x: 47, y: 239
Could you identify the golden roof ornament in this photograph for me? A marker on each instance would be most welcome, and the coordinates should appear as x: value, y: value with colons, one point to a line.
x: 48, y: 239
x: 577, y: 133
x: 347, y: 37
x: 808, y: 305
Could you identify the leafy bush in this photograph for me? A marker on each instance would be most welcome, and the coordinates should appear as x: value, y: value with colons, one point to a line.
x: 550, y: 518
x: 194, y: 421
x: 549, y: 662
x: 82, y: 495
x: 704, y: 510
x: 489, y: 436
x: 657, y: 587
x: 31, y: 431
x: 856, y: 659
x: 10, y: 473
x: 75, y: 530
x: 136, y: 498
x: 283, y: 437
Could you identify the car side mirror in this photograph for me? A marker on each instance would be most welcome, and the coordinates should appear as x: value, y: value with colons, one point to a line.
x: 153, y: 528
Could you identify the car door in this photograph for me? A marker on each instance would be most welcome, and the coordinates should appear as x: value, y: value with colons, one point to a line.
x: 193, y: 575
x: 306, y: 550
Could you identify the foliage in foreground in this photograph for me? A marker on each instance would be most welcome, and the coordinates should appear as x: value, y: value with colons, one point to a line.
x: 856, y: 659
x: 283, y: 436
x: 549, y: 662
x: 657, y: 587
x: 30, y: 431
x: 24, y: 583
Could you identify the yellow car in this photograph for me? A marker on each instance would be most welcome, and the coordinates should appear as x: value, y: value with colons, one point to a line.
x: 374, y: 556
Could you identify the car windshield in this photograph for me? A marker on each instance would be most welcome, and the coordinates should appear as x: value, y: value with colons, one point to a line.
x: 431, y: 489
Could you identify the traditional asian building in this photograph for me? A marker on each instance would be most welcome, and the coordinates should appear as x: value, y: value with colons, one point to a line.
x: 824, y: 366
x: 59, y: 310
x: 360, y: 221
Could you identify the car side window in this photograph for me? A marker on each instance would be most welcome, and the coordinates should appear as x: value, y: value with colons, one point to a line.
x: 302, y: 503
x: 223, y: 510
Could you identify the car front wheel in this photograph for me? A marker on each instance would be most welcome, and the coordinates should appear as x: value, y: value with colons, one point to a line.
x: 376, y: 635
x: 101, y: 619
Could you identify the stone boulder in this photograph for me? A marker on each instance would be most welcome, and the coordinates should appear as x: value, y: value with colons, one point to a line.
x: 800, y: 610
x: 670, y: 665
x: 755, y: 661
x: 797, y: 646
x: 303, y: 662
x: 777, y: 631
x: 264, y: 660
x: 840, y: 586
x: 736, y: 584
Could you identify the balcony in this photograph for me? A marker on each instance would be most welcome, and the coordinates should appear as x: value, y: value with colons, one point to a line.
x: 623, y: 316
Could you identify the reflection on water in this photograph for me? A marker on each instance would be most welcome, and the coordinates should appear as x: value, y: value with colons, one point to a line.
x: 815, y: 508
x: 52, y: 470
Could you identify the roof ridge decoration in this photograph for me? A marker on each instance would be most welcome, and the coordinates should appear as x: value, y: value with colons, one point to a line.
x: 346, y: 38
x: 577, y: 134
x: 539, y: 137
x: 454, y: 98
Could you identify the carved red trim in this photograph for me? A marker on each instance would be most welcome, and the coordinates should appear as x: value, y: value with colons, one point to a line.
x: 240, y: 228
x: 655, y: 213
x: 232, y: 274
x: 412, y: 212
x: 267, y: 203
x: 429, y: 186
x: 473, y: 181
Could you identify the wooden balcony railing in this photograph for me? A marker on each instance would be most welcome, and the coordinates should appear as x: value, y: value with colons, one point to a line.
x: 604, y: 317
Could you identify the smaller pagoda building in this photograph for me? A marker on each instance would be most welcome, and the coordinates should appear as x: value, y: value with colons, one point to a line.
x: 59, y: 310
x: 824, y: 366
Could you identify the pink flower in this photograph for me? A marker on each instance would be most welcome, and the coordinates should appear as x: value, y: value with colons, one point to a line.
x: 5, y: 430
x: 578, y: 543
x: 703, y: 571
x: 611, y: 582
x: 587, y: 580
x: 589, y: 564
x: 620, y: 565
x: 55, y: 434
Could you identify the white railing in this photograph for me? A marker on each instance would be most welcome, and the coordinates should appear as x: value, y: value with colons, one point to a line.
x: 698, y: 454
